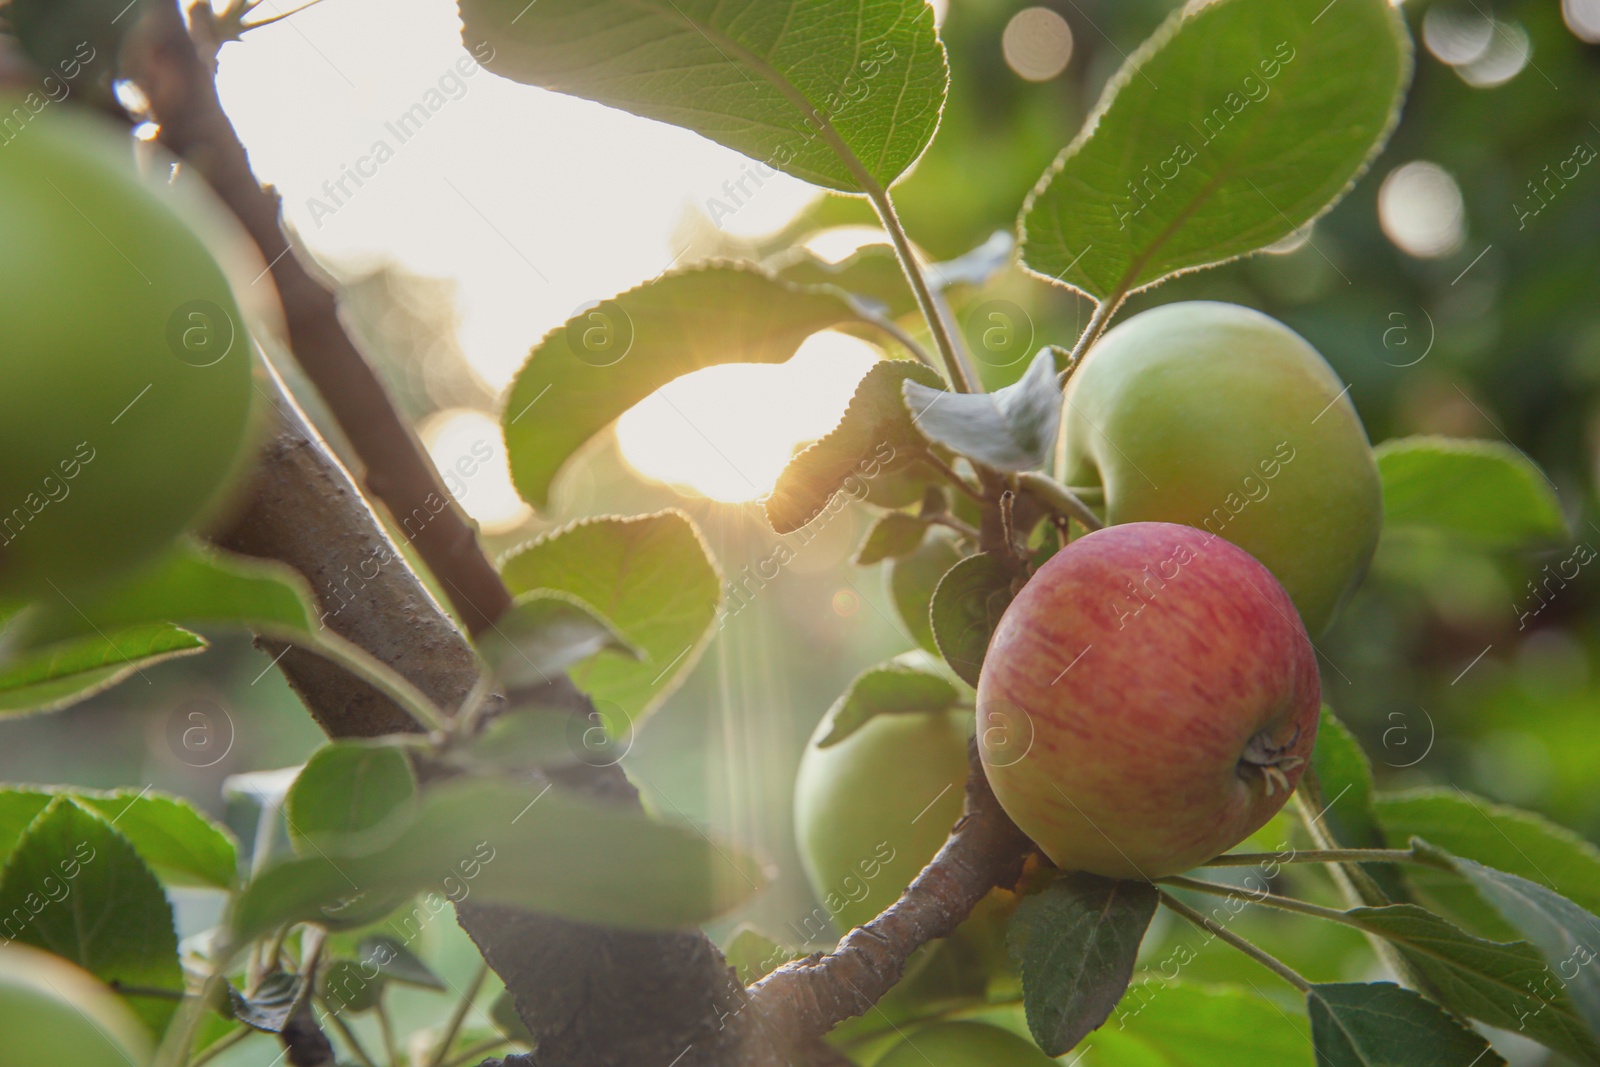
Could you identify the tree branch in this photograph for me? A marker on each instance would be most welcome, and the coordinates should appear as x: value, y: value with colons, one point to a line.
x: 813, y: 995
x: 183, y: 100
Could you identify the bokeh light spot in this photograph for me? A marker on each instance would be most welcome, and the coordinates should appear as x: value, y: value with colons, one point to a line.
x: 1421, y: 210
x: 1037, y: 44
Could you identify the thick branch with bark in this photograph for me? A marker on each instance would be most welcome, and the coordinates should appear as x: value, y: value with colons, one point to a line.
x: 178, y: 82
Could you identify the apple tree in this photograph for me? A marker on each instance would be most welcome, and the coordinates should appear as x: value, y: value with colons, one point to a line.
x: 1113, y: 564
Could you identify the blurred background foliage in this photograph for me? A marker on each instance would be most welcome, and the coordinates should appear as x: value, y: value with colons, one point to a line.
x: 1453, y: 297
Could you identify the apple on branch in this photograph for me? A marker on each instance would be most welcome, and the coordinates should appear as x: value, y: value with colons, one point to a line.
x: 1148, y: 700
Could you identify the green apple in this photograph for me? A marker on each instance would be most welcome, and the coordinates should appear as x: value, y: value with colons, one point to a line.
x: 54, y: 1013
x: 1220, y: 417
x: 872, y: 810
x: 1148, y: 701
x: 965, y: 1044
x: 127, y: 373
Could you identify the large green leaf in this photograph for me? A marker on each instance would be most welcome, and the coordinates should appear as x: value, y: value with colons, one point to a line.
x: 877, y: 434
x: 76, y: 887
x: 1074, y: 945
x: 1502, y: 837
x: 533, y: 846
x: 651, y: 577
x: 891, y: 535
x: 181, y: 845
x: 545, y: 632
x: 965, y: 610
x: 912, y: 580
x: 583, y: 375
x: 350, y: 790
x: 1172, y: 1023
x: 1504, y: 984
x: 192, y: 585
x: 1379, y: 1024
x: 74, y: 670
x: 1235, y: 124
x: 198, y: 584
x: 1565, y: 934
x: 887, y: 689
x: 837, y: 92
x: 1483, y: 493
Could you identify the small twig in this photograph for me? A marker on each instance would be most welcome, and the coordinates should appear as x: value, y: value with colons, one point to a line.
x: 893, y: 329
x: 482, y: 1048
x: 345, y: 1032
x: 1091, y: 333
x: 1216, y: 929
x: 919, y: 283
x: 459, y: 1016
x: 1059, y: 499
x: 220, y: 1045
x: 950, y: 522
x: 1271, y: 900
x: 951, y: 474
x: 147, y: 991
x: 386, y: 1030
x: 1315, y: 855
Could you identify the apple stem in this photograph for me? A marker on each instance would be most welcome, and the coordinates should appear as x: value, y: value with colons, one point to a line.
x: 1216, y: 929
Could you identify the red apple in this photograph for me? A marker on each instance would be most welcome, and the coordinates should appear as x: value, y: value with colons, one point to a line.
x: 1147, y: 702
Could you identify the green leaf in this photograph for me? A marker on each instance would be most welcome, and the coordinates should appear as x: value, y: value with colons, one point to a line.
x: 397, y: 963
x: 74, y: 886
x: 1169, y: 1023
x: 887, y: 689
x: 1013, y: 428
x: 912, y: 580
x: 1565, y: 934
x: 181, y: 845
x: 191, y: 585
x: 583, y: 375
x: 892, y: 534
x: 536, y: 847
x: 1484, y: 493
x: 503, y: 1013
x: 876, y: 435
x: 836, y: 92
x: 652, y: 578
x: 1379, y: 1024
x: 1502, y: 837
x: 1506, y: 985
x: 351, y: 794
x: 1237, y: 123
x: 74, y: 670
x: 754, y: 955
x: 966, y: 608
x: 544, y: 633
x: 348, y: 986
x: 1346, y: 777
x: 871, y: 272
x: 1074, y: 945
